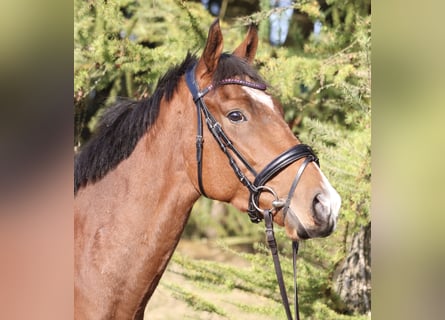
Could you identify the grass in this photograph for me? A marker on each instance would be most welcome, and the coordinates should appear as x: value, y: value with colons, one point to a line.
x: 248, y: 290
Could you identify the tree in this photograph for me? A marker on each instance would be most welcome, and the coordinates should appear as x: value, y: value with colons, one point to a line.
x: 353, y: 283
x: 121, y: 49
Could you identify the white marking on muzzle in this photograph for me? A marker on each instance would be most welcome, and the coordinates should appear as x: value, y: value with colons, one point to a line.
x: 331, y: 196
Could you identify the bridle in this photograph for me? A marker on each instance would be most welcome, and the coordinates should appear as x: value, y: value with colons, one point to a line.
x: 259, y: 184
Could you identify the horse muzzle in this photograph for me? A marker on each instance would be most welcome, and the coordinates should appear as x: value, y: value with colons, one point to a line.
x: 320, y: 220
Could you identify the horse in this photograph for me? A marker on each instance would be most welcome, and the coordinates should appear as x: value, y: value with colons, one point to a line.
x: 136, y: 180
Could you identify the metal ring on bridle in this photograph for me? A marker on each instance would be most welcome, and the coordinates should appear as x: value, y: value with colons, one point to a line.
x: 270, y: 190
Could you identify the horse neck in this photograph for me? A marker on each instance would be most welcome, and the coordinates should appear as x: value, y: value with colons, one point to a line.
x: 128, y: 224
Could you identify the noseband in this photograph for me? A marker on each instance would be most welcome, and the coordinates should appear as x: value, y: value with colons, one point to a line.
x: 256, y: 213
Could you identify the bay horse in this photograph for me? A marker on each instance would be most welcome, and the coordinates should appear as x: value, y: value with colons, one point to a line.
x: 137, y: 179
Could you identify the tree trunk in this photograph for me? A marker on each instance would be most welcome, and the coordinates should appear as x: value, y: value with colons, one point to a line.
x: 353, y: 283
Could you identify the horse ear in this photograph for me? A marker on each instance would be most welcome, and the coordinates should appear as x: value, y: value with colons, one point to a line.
x: 247, y: 49
x: 212, y: 51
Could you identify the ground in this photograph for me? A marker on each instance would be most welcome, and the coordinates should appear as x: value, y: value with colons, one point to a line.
x: 165, y: 306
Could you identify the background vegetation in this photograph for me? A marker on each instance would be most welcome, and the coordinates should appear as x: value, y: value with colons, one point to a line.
x: 324, y: 83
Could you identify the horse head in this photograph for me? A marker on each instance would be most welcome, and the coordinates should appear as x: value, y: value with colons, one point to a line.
x: 247, y: 155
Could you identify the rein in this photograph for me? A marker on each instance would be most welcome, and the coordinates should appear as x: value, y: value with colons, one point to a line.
x: 259, y: 184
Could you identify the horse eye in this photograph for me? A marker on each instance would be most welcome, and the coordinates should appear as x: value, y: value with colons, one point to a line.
x: 236, y: 116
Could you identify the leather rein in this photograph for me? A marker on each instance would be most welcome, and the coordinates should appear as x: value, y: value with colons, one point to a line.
x: 258, y: 186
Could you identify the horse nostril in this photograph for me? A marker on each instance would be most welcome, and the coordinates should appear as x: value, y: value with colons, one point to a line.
x: 320, y: 206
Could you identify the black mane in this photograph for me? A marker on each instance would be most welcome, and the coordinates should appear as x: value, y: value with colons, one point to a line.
x: 123, y: 124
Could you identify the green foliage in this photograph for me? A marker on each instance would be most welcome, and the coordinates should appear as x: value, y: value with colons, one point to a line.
x: 220, y: 277
x: 344, y: 140
x: 194, y: 300
x: 216, y: 280
x: 227, y: 222
x: 122, y: 47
